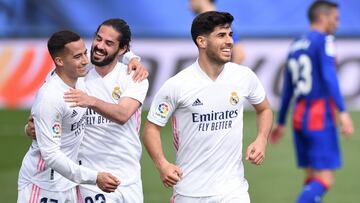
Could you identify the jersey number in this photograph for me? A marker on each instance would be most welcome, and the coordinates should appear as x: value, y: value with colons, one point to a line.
x: 45, y: 200
x: 98, y: 197
x: 301, y: 74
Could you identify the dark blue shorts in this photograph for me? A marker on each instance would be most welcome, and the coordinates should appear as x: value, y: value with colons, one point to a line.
x: 318, y: 149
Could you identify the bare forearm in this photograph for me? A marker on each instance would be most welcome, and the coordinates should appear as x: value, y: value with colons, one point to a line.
x: 264, y: 120
x: 115, y: 112
x: 152, y: 141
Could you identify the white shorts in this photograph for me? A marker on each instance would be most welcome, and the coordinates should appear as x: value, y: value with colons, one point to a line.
x: 123, y: 194
x: 232, y: 197
x: 33, y: 194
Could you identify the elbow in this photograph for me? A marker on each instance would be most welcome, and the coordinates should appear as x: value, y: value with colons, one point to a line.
x: 121, y: 120
x: 48, y: 157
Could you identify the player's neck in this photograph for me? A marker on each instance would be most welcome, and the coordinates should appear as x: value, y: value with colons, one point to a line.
x: 66, y: 79
x: 211, y: 68
x: 318, y: 27
x: 104, y: 70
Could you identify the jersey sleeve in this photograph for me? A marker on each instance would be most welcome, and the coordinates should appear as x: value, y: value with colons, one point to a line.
x: 163, y: 104
x: 48, y: 125
x: 287, y: 93
x: 328, y: 71
x: 257, y: 92
x: 128, y: 56
x: 136, y: 90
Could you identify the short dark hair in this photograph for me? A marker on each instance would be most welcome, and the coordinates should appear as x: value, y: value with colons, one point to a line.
x: 205, y: 23
x: 122, y: 28
x: 319, y: 7
x: 58, y: 40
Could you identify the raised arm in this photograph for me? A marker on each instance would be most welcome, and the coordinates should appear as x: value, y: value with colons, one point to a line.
x: 133, y: 63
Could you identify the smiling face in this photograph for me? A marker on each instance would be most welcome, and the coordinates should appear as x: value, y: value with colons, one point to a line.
x: 105, y: 46
x: 74, y: 60
x: 218, y: 44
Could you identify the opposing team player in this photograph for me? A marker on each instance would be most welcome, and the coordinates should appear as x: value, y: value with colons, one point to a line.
x: 49, y: 172
x: 310, y: 78
x: 112, y: 140
x: 205, y: 102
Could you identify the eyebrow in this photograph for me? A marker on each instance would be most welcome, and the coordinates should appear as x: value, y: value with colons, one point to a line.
x: 106, y: 41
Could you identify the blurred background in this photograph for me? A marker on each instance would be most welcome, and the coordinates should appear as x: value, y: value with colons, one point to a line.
x: 161, y: 36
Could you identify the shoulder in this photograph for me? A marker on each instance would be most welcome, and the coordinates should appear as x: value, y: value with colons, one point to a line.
x: 185, y: 76
x: 237, y: 70
x: 48, y: 96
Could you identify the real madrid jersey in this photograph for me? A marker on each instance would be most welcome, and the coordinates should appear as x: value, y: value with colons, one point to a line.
x: 108, y: 146
x: 207, y: 120
x: 52, y: 158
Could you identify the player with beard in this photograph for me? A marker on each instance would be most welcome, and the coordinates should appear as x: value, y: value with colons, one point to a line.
x: 49, y: 170
x: 113, y: 120
x: 114, y: 103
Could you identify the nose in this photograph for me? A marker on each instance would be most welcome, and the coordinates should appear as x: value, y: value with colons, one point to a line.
x: 85, y: 59
x: 100, y: 45
x: 229, y: 40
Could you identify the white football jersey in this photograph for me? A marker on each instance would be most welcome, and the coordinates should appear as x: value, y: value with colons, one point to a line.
x: 108, y: 146
x: 207, y: 121
x: 59, y: 132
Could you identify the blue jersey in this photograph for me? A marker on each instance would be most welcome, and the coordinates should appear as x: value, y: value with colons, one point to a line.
x: 310, y: 78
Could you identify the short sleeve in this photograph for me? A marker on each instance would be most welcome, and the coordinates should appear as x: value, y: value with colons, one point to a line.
x: 137, y: 90
x: 164, y: 104
x: 256, y: 90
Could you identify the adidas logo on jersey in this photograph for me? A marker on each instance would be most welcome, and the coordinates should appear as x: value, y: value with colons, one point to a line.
x: 74, y: 113
x: 197, y: 102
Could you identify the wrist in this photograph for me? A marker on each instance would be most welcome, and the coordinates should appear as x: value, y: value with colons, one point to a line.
x: 161, y: 163
x: 92, y: 102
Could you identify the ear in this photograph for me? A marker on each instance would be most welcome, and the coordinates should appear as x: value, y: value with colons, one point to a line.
x: 58, y: 61
x: 201, y: 41
x: 123, y: 50
x: 322, y: 17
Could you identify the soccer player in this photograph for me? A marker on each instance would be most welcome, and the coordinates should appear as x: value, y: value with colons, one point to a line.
x: 114, y: 103
x: 205, y: 102
x: 310, y: 79
x: 201, y: 6
x: 48, y: 171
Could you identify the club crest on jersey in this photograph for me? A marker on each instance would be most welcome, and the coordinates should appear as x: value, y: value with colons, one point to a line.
x: 234, y: 98
x: 116, y: 93
x: 56, y: 130
x: 162, y: 110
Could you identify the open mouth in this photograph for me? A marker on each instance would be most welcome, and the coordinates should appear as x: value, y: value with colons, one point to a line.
x: 99, y: 53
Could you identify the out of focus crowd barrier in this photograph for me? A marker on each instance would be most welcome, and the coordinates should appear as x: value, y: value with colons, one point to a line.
x: 24, y: 65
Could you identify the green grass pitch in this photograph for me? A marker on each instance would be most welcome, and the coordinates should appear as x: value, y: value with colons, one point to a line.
x: 277, y: 180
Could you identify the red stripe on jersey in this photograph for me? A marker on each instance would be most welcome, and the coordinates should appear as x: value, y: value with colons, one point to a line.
x: 316, y: 117
x: 32, y: 194
x: 78, y: 194
x: 172, y: 198
x: 175, y: 135
x: 333, y: 110
x: 37, y: 194
x: 299, y: 114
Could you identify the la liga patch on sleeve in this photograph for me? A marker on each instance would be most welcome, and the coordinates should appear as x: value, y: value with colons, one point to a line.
x: 162, y: 110
x: 56, y: 129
